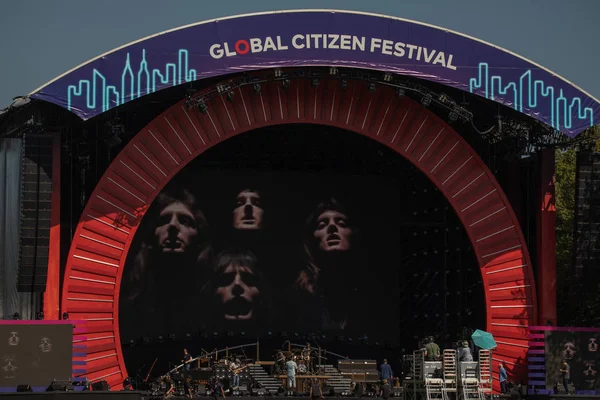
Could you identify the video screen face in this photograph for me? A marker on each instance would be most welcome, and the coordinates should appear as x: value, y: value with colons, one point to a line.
x: 35, y: 354
x: 283, y: 247
x: 581, y: 352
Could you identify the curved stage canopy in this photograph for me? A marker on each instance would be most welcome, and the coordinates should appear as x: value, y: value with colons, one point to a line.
x: 316, y: 38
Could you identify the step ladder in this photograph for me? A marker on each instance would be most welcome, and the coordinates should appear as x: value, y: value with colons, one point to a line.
x: 485, y: 374
x: 449, y: 373
x: 434, y: 387
x: 469, y: 381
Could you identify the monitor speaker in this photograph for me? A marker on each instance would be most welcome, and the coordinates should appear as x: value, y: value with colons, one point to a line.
x: 60, y: 386
x: 24, y: 388
x: 101, y: 386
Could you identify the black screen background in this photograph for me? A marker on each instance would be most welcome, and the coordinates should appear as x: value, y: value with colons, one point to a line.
x: 35, y: 367
x: 418, y: 274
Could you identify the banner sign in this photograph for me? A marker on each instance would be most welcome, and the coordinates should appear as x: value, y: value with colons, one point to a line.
x: 322, y: 38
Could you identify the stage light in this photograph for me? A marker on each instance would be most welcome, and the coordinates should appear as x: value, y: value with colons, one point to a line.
x: 243, y: 334
x: 256, y: 87
x: 387, y: 77
x: 344, y: 83
x: 372, y: 87
x: 16, y: 316
x: 230, y: 95
x: 202, y: 107
x: 39, y: 316
x: 453, y: 116
x: 314, y: 82
x: 132, y: 343
x: 278, y: 73
x: 161, y: 339
x: 215, y: 334
x: 269, y: 334
x: 333, y: 71
x: 286, y: 83
x: 171, y: 336
x: 65, y: 316
x: 188, y: 336
x: 20, y: 101
x: 146, y: 340
x: 426, y: 100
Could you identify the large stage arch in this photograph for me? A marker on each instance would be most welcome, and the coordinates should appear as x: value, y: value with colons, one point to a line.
x: 174, y: 138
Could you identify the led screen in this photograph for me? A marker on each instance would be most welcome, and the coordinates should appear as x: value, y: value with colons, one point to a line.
x: 279, y: 231
x: 35, y: 354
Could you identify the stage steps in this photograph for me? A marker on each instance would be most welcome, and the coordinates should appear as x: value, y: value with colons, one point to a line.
x: 337, y: 381
x: 266, y: 381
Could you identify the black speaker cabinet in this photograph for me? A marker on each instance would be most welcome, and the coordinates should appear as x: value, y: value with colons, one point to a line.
x: 101, y: 386
x: 24, y: 388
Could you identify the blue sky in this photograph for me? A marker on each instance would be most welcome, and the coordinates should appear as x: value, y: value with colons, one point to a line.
x: 42, y: 39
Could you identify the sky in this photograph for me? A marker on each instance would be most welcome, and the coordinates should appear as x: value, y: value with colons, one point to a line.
x: 41, y: 39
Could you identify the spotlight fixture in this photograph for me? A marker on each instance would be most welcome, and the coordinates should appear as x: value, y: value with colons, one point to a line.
x: 65, y: 316
x: 286, y: 83
x: 387, y: 77
x: 453, y: 116
x: 344, y: 83
x: 315, y: 82
x: 132, y: 343
x: 333, y: 70
x: 161, y: 339
x: 426, y: 100
x: 230, y: 95
x: 278, y: 73
x: 39, y: 316
x: 202, y: 107
x: 16, y: 316
x: 372, y: 87
x: 256, y: 87
x: 400, y: 92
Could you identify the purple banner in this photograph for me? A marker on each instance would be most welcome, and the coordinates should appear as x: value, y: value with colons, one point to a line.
x: 305, y: 38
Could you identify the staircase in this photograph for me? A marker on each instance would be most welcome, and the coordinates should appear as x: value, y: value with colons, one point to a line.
x: 266, y: 381
x: 337, y: 381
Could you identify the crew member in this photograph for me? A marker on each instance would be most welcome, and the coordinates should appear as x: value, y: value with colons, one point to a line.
x: 502, y: 377
x: 307, y: 356
x: 464, y: 352
x: 432, y: 350
x: 315, y: 390
x: 187, y: 360
x: 386, y: 373
x: 216, y: 389
x: 170, y: 388
x: 187, y: 387
x: 386, y: 390
x: 291, y: 368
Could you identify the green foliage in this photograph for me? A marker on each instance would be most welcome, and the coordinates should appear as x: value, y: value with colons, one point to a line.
x: 576, y: 306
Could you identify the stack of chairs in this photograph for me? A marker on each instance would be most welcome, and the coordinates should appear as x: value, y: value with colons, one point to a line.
x: 485, y: 374
x: 450, y: 374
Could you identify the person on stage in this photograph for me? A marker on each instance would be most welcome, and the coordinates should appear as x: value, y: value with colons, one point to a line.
x: 291, y: 368
x: 216, y: 389
x: 315, y: 390
x: 464, y: 352
x: 169, y: 386
x: 565, y: 372
x: 307, y: 357
x: 502, y: 376
x: 235, y: 377
x: 432, y: 350
x: 187, y: 360
x: 187, y: 387
x: 386, y: 373
x: 385, y: 390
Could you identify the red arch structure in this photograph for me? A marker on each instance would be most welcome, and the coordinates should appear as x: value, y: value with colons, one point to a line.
x: 174, y: 138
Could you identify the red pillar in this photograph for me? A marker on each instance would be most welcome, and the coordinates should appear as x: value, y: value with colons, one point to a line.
x: 52, y: 293
x: 546, y: 239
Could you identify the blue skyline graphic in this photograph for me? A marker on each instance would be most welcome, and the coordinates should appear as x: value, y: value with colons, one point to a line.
x: 526, y: 93
x: 561, y: 113
x: 132, y: 85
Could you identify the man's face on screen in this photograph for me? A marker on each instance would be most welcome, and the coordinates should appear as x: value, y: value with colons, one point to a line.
x: 248, y: 212
x: 176, y: 229
x: 238, y: 291
x: 332, y: 232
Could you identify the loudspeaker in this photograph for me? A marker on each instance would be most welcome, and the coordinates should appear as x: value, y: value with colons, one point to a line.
x: 24, y: 388
x: 60, y: 386
x: 200, y: 390
x: 101, y: 386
